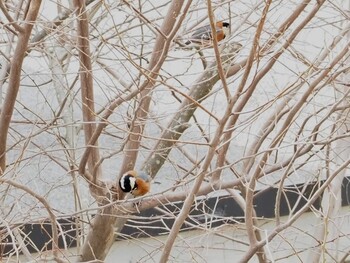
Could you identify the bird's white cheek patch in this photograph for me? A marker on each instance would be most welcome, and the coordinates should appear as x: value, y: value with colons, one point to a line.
x: 226, y: 31
x: 122, y: 182
x: 132, y: 182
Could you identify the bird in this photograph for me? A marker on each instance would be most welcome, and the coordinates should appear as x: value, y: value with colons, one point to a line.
x: 203, y: 35
x: 136, y: 183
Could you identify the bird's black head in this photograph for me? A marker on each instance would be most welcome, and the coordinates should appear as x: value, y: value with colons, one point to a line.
x: 127, y: 183
x: 225, y: 24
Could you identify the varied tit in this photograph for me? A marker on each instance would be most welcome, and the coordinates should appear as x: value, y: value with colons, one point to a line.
x: 137, y: 184
x: 203, y: 36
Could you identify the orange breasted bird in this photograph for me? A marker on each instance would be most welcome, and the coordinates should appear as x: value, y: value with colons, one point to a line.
x: 203, y: 35
x: 136, y: 183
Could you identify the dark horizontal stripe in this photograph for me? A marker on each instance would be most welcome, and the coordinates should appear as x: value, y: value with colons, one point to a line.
x: 209, y: 212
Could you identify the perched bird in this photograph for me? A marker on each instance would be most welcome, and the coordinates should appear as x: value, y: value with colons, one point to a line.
x: 203, y: 35
x: 137, y: 184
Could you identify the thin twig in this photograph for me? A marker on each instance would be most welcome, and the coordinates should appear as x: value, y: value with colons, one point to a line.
x: 213, y: 26
x: 10, y: 19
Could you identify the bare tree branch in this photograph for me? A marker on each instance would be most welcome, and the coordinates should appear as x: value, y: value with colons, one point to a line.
x: 14, y: 80
x: 277, y: 119
x: 222, y: 74
x: 10, y: 19
x: 294, y: 110
x: 250, y: 253
x: 160, y: 50
x: 49, y: 211
x: 94, y: 248
x: 178, y: 124
x: 87, y: 94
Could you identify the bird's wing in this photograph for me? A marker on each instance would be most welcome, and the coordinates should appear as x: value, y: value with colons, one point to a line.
x: 144, y: 176
x: 203, y: 33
